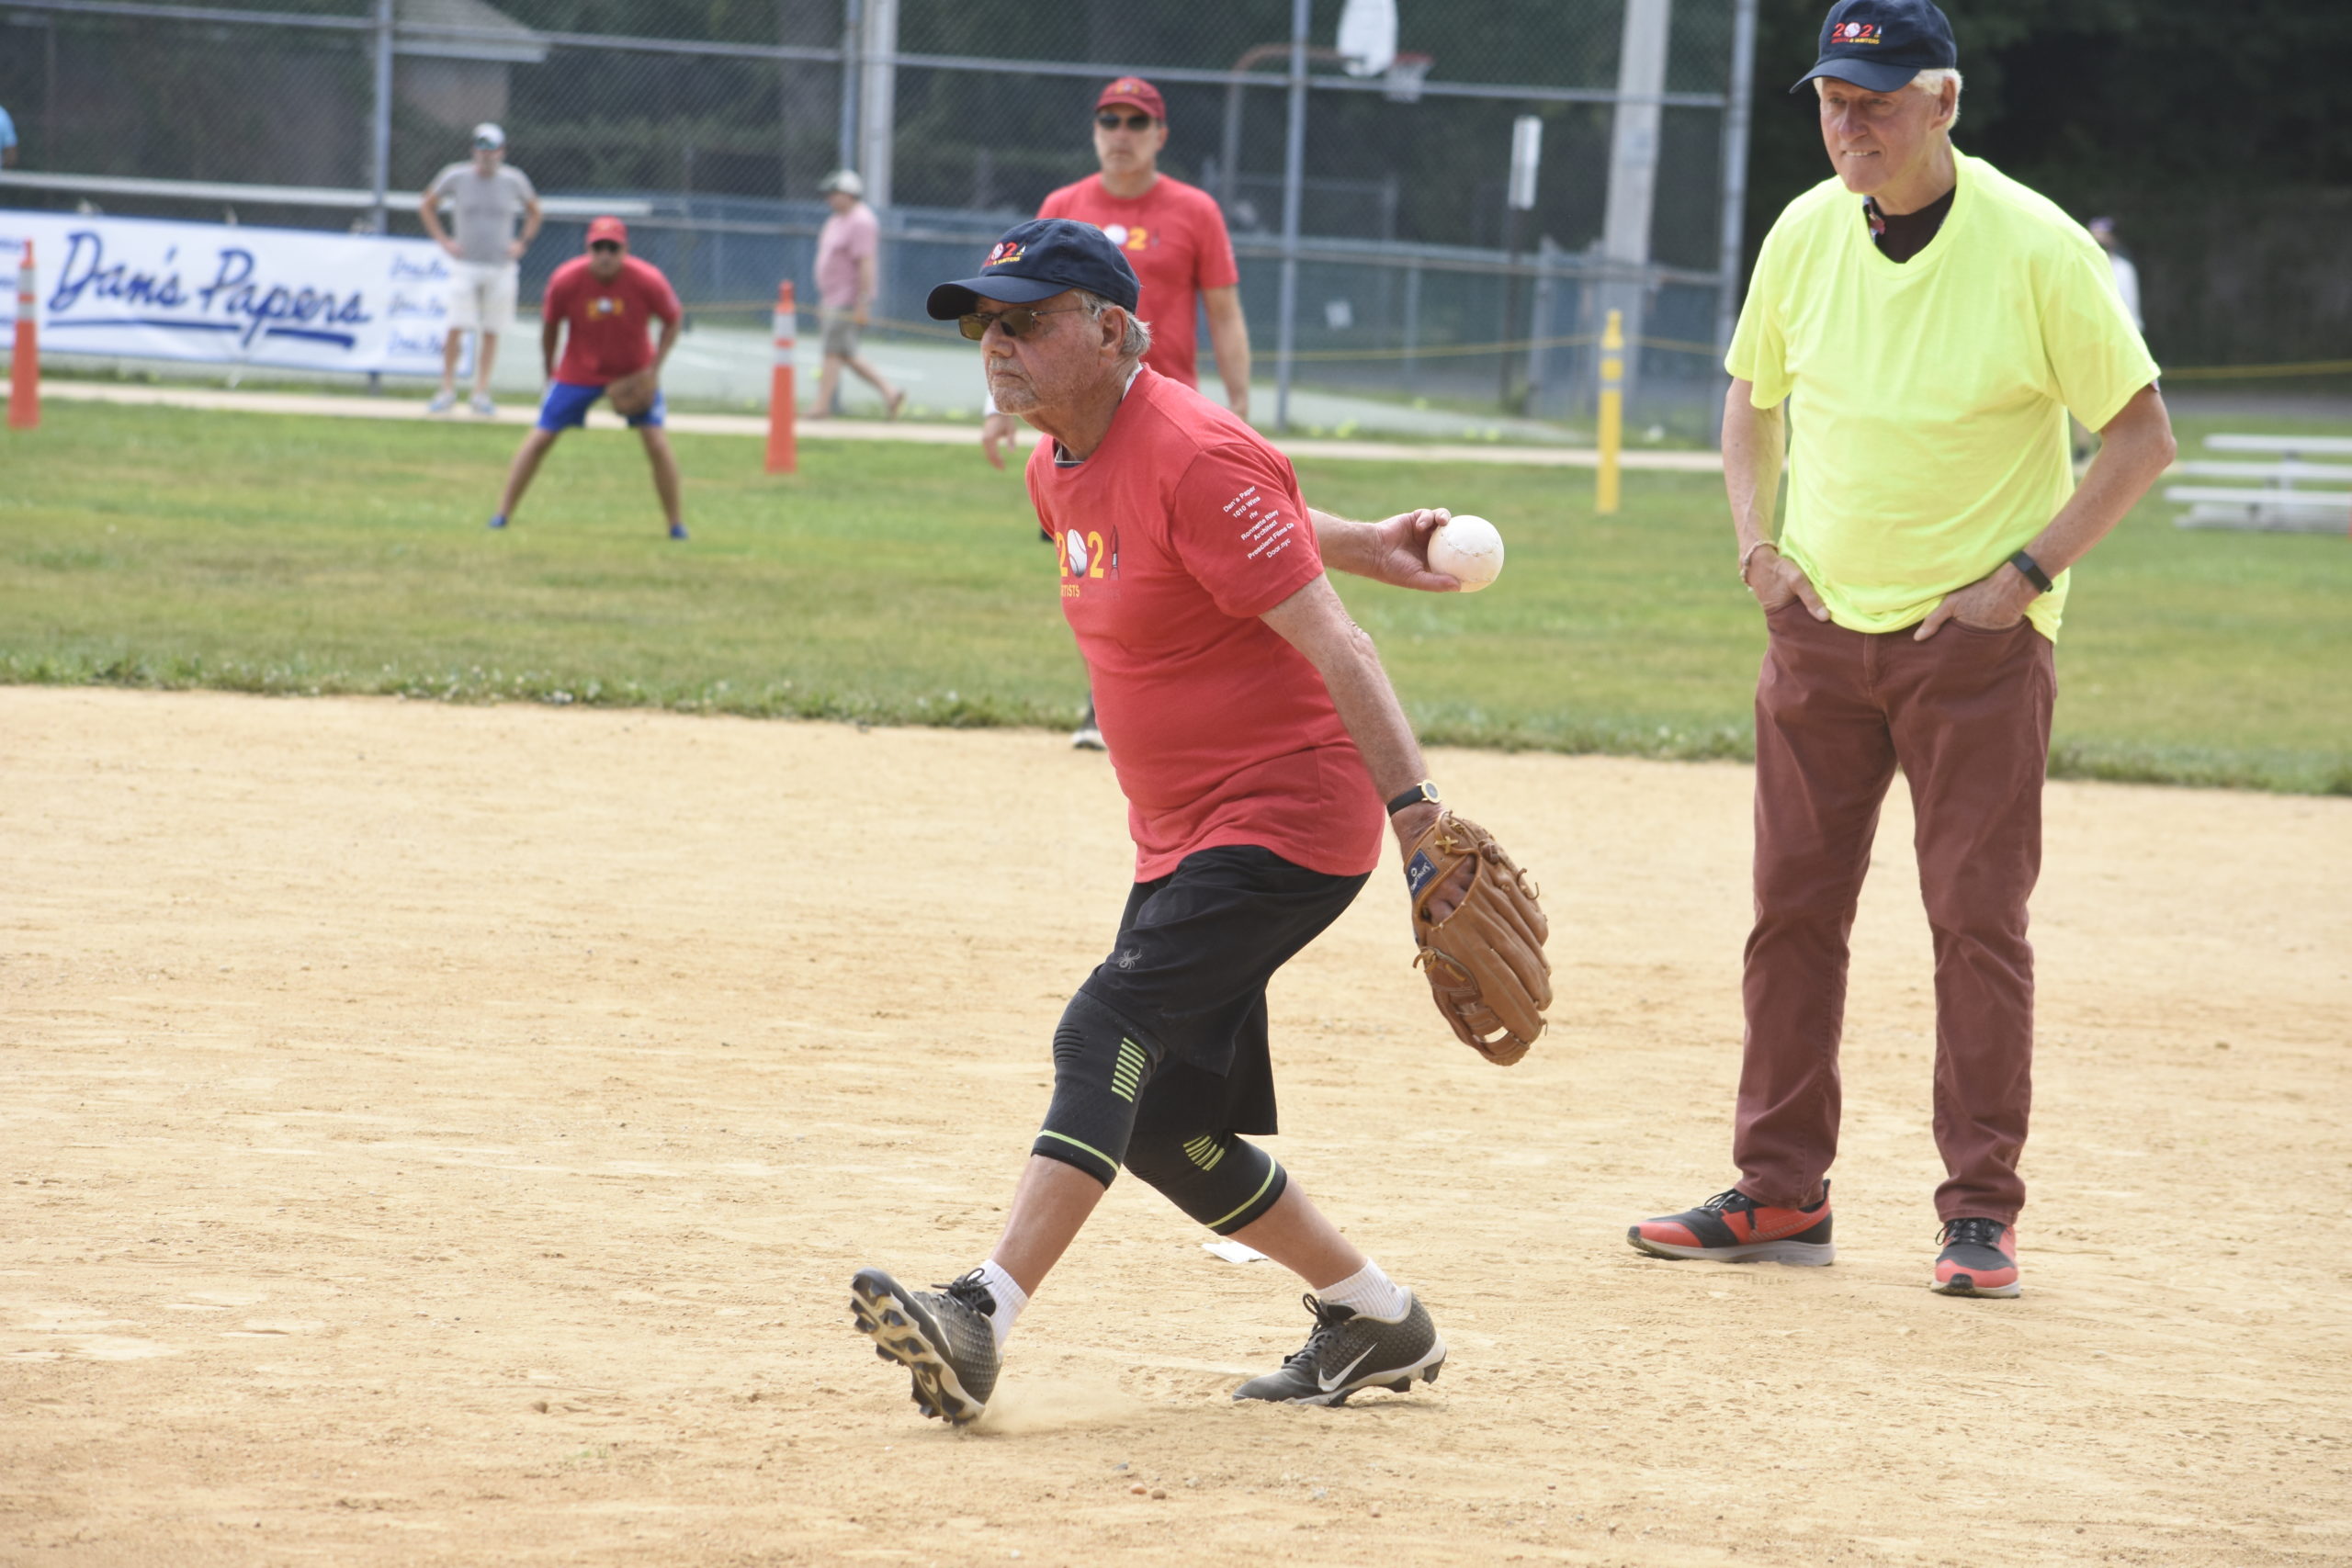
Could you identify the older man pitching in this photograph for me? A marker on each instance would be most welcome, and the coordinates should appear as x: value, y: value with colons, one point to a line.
x: 1931, y: 321
x: 1256, y: 738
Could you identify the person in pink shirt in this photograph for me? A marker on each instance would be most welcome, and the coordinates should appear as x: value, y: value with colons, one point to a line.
x: 847, y: 247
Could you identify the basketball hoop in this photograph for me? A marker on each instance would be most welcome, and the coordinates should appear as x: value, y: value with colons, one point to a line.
x: 1368, y: 37
x: 1405, y: 75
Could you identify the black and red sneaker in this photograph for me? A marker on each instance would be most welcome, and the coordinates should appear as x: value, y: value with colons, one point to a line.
x: 1732, y: 1227
x: 1979, y: 1258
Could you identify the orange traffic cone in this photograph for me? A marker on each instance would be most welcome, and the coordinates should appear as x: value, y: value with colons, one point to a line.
x: 783, y: 454
x: 23, y: 368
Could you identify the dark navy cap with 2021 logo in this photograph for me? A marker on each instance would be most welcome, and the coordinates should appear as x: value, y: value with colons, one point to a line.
x: 1037, y: 260
x: 1879, y: 45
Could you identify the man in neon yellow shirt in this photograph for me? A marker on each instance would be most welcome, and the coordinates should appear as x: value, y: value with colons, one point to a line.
x: 1928, y: 339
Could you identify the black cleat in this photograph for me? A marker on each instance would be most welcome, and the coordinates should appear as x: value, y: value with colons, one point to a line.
x: 942, y: 1336
x: 1348, y: 1352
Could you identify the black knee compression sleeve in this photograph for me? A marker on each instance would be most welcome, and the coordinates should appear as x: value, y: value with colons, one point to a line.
x: 1221, y: 1181
x: 1100, y: 1068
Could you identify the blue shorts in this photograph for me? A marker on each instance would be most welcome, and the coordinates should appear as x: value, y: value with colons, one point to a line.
x: 567, y: 407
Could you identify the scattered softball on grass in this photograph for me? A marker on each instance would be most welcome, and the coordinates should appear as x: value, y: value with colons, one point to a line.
x: 1469, y: 550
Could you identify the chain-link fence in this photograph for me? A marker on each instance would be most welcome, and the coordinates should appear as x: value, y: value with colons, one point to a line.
x: 708, y: 123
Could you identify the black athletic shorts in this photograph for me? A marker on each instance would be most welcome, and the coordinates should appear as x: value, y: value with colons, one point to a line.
x: 1189, y: 970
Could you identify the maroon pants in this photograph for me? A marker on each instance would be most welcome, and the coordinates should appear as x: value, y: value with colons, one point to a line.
x: 1966, y: 717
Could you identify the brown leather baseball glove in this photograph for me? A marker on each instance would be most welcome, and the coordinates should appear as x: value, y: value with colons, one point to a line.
x: 633, y: 393
x: 1485, y: 961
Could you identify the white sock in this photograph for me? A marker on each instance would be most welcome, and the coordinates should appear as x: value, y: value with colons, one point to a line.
x: 1010, y: 1299
x: 1371, y: 1293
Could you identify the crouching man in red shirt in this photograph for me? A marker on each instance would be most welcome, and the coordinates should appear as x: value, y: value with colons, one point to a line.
x: 1256, y: 736
x: 600, y: 305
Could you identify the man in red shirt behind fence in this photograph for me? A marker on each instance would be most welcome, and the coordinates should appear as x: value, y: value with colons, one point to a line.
x: 1171, y: 233
x: 600, y: 306
x: 1172, y: 236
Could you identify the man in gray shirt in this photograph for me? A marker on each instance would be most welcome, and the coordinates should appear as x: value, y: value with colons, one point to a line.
x: 485, y: 196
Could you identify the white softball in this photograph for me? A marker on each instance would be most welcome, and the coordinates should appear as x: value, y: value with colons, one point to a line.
x: 1469, y: 550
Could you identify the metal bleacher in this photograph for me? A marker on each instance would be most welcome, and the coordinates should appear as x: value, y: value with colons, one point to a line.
x: 2270, y: 496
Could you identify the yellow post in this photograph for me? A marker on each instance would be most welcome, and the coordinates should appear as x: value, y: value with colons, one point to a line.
x: 1612, y: 412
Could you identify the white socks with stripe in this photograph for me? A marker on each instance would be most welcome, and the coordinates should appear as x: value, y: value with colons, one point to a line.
x: 1370, y: 1293
x: 1367, y: 1291
x: 1010, y: 1299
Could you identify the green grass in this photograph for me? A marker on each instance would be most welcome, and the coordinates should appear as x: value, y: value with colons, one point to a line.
x: 905, y: 584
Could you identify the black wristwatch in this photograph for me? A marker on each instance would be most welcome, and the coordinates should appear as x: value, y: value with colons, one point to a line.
x: 1420, y: 792
x: 2032, y: 570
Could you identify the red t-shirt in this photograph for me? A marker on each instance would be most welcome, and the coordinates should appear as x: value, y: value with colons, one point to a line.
x: 1175, y: 237
x: 607, y: 320
x: 1174, y: 536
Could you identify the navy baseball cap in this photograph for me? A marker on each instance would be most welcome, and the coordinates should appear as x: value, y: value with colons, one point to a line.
x: 1037, y: 260
x: 1879, y: 45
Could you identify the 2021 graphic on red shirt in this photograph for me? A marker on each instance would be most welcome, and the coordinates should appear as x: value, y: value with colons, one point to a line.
x: 607, y: 320
x: 1174, y: 536
x: 1173, y: 236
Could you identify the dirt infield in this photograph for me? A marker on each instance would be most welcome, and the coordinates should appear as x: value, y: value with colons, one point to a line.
x: 444, y: 1136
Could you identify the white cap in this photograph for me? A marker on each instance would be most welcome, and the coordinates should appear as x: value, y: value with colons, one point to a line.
x: 844, y: 180
x: 487, y: 135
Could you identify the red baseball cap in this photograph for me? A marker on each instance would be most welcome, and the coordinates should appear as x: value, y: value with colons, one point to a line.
x: 607, y: 228
x: 1136, y: 91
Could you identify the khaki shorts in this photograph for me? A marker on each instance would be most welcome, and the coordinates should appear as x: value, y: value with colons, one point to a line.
x: 481, y: 295
x: 841, y: 331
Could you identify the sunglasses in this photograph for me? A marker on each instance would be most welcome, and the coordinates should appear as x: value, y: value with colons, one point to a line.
x: 1016, y: 322
x: 603, y: 245
x: 1111, y: 120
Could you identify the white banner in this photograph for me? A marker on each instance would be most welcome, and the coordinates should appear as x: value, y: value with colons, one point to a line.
x: 298, y: 297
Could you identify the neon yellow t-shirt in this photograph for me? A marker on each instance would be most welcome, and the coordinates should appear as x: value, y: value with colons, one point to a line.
x: 1928, y: 397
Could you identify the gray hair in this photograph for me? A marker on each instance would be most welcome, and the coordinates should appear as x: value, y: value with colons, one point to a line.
x: 1929, y: 81
x: 1138, y: 340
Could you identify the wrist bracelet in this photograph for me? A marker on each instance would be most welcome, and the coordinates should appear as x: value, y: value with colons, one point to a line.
x: 2032, y: 570
x: 1420, y: 792
x: 1749, y: 553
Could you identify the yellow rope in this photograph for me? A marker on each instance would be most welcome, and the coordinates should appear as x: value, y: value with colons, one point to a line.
x: 1441, y: 351
x: 2254, y: 372
x: 1520, y: 345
